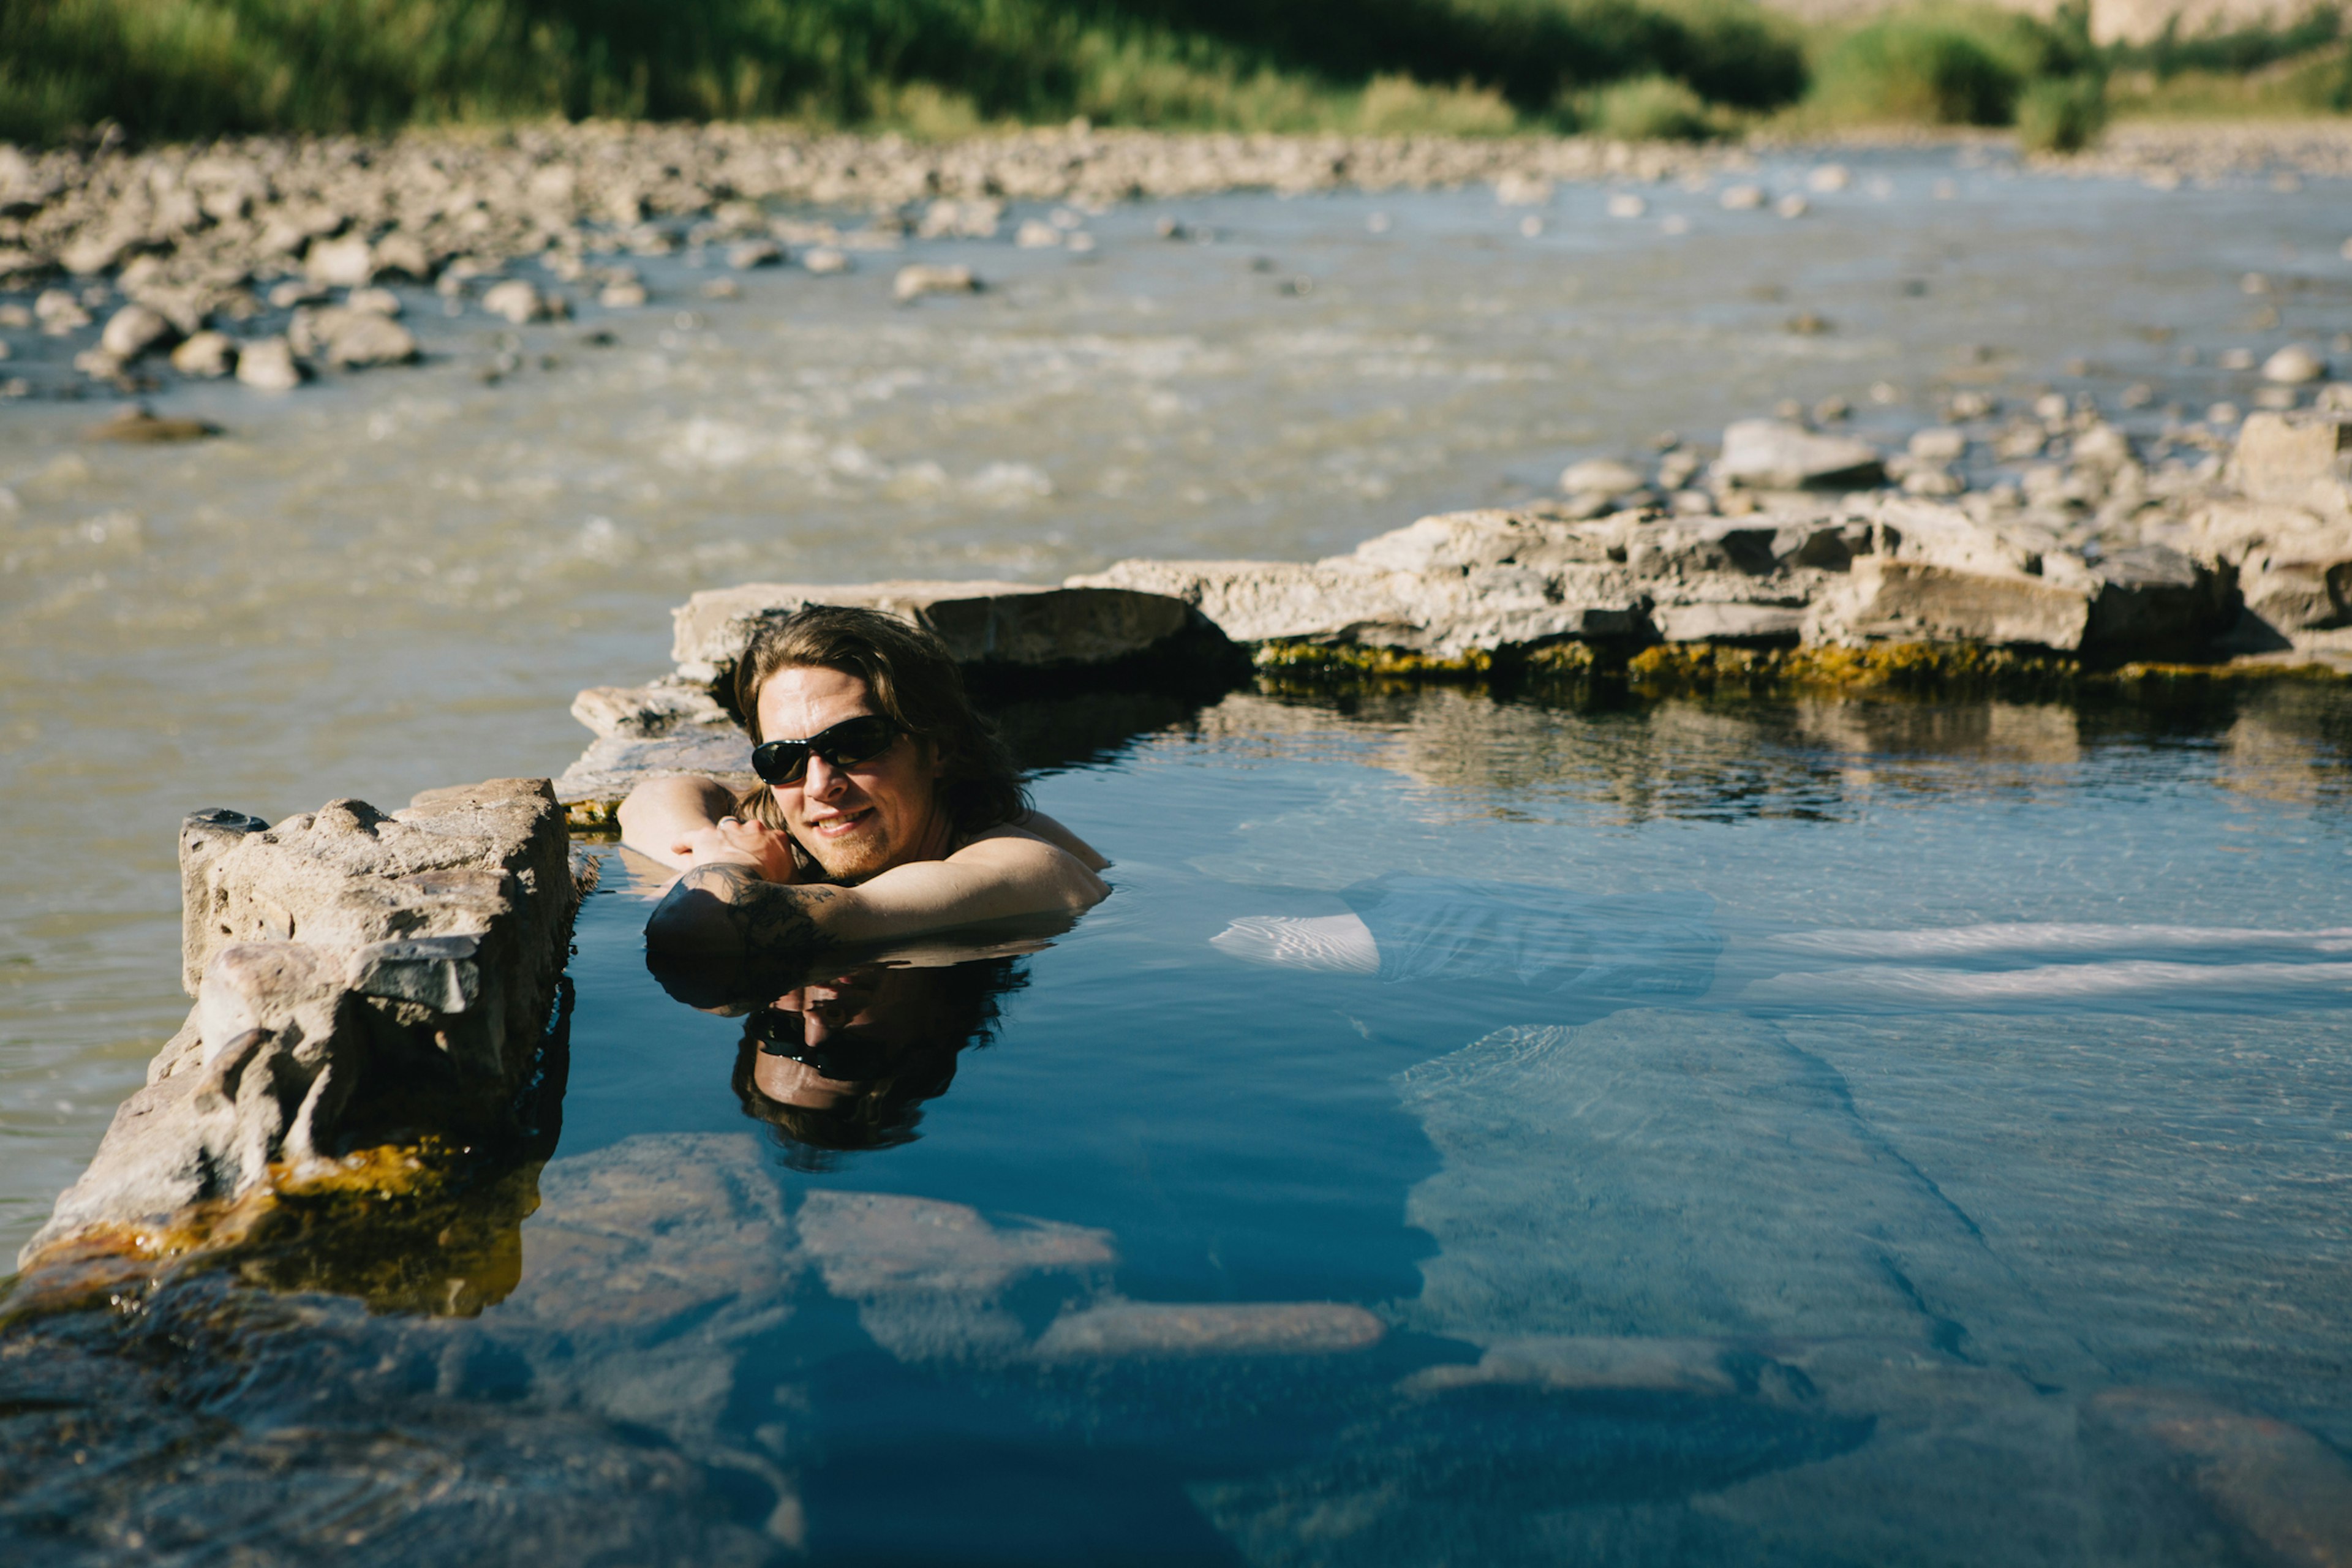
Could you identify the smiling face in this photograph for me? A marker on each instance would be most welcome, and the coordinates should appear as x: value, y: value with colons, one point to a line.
x: 862, y: 819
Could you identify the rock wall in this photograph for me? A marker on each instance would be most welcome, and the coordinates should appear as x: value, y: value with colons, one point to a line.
x: 356, y: 974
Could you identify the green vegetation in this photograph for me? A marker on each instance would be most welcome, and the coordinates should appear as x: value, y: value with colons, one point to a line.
x: 194, y: 67
x: 169, y: 68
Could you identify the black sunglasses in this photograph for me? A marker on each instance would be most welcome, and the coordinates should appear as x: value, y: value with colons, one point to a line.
x: 853, y: 1055
x: 846, y: 744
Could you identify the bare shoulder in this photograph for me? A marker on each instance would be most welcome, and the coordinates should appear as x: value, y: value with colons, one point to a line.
x: 1037, y: 825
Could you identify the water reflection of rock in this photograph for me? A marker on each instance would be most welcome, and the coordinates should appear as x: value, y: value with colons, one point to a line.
x: 1813, y: 755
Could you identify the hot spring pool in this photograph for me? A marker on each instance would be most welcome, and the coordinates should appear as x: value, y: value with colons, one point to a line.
x: 1981, y: 1200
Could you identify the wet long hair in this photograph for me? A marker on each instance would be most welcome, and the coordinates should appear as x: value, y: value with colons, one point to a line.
x: 967, y: 1002
x: 913, y: 678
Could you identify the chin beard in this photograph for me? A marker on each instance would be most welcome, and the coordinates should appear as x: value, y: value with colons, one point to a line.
x: 850, y: 864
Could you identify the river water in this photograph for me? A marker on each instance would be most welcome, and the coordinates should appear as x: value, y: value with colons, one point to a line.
x: 394, y: 580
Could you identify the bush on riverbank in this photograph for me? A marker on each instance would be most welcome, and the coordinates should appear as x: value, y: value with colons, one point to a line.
x: 199, y: 68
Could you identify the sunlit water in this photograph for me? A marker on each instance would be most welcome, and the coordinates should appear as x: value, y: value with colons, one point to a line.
x: 1779, y: 1266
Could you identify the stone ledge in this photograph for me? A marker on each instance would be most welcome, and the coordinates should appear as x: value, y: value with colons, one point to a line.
x: 1023, y: 625
x: 356, y: 973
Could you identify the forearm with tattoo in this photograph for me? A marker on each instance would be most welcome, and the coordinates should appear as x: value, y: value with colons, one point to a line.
x: 768, y: 919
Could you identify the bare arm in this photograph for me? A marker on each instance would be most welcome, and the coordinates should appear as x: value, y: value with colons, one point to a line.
x: 725, y: 911
x: 660, y: 812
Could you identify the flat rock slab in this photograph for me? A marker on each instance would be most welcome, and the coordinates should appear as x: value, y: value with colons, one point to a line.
x: 1023, y: 625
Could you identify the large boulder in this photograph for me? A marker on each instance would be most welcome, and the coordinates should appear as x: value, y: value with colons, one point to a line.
x: 1021, y: 625
x: 348, y: 966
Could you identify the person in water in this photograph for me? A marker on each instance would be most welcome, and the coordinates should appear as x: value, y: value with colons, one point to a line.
x: 888, y: 807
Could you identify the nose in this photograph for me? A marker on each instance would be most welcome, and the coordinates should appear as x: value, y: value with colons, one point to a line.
x: 823, y: 780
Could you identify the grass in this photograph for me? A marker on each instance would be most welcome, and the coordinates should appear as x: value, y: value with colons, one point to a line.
x: 198, y: 67
x: 1634, y: 68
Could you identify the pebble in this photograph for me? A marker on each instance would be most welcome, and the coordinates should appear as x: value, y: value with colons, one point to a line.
x: 2293, y: 366
x: 1792, y: 205
x: 1518, y: 190
x: 207, y: 355
x: 1829, y: 178
x: 1940, y: 444
x: 2222, y: 414
x: 1625, y: 204
x: 133, y: 330
x: 745, y: 255
x: 628, y: 294
x: 919, y: 277
x: 824, y: 258
x: 363, y: 339
x: 59, y: 313
x: 517, y: 299
x: 1599, y: 476
x: 1035, y: 236
x: 346, y: 263
x: 266, y: 364
x: 1742, y: 199
x: 2236, y: 358
x: 1970, y: 405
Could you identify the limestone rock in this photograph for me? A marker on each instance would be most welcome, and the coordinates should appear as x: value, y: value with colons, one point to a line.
x: 517, y: 299
x: 267, y: 364
x: 1770, y: 455
x: 410, y: 958
x: 745, y: 255
x: 2296, y: 460
x: 209, y: 355
x: 353, y: 339
x: 919, y: 277
x: 345, y: 263
x: 133, y: 330
x: 1004, y: 623
x: 647, y: 712
x: 1892, y: 600
x: 2294, y: 364
x: 404, y: 254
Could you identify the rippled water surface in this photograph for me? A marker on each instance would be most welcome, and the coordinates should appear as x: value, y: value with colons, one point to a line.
x: 1992, y: 1247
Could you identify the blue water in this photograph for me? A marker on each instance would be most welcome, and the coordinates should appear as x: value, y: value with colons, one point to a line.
x: 1798, y: 1245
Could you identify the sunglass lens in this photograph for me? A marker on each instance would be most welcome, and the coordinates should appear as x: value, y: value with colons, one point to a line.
x: 856, y: 740
x: 781, y: 761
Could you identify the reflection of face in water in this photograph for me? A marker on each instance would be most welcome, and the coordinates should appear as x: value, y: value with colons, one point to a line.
x: 845, y: 1062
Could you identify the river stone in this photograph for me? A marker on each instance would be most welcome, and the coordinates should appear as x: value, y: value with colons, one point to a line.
x: 2295, y: 365
x: 1018, y: 625
x: 345, y: 263
x: 133, y: 330
x: 920, y: 278
x: 334, y: 957
x: 517, y: 299
x: 267, y: 364
x: 2296, y: 460
x: 1772, y: 455
x: 1599, y: 476
x: 362, y: 338
x: 207, y: 354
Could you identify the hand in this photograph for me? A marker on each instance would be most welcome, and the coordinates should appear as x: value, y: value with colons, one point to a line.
x: 731, y: 841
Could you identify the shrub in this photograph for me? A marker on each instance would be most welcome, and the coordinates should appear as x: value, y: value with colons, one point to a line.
x: 1942, y: 67
x: 2062, y: 114
x: 1646, y: 108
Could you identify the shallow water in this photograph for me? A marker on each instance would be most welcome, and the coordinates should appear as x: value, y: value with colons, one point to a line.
x: 1778, y: 1268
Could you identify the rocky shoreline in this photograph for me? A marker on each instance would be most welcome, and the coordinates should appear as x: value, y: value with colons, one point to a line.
x: 192, y: 257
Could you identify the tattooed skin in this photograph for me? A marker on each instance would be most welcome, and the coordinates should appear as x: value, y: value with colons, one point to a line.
x: 770, y: 918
